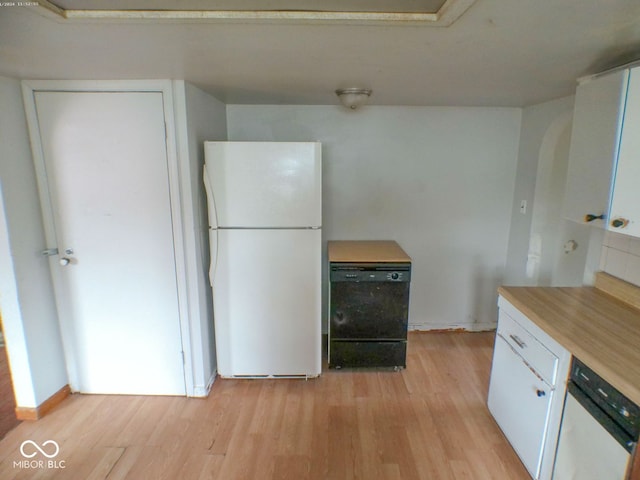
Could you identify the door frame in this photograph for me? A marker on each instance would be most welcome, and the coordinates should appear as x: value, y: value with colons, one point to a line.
x: 165, y: 87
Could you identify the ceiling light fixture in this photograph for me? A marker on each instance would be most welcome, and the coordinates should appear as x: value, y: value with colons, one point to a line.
x: 353, y: 97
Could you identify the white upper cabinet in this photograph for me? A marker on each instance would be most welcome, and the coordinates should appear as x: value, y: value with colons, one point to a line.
x: 597, y: 122
x: 624, y: 216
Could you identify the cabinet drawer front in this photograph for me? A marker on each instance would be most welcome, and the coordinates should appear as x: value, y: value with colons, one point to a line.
x: 534, y: 353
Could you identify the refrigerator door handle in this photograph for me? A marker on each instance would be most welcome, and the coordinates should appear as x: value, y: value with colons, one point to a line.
x: 213, y: 247
x: 211, y: 201
x: 213, y: 226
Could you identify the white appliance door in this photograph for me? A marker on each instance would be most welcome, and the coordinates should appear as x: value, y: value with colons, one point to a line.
x: 519, y: 401
x: 107, y: 179
x: 586, y: 451
x: 266, y: 290
x: 265, y: 184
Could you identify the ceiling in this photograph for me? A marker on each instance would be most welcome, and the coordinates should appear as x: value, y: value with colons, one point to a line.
x: 425, y: 6
x: 497, y: 53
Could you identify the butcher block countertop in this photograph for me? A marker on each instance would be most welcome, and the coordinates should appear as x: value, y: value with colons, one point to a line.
x: 595, y: 326
x: 366, y: 251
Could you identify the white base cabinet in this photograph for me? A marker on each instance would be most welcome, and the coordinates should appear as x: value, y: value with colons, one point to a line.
x: 519, y: 409
x: 527, y: 388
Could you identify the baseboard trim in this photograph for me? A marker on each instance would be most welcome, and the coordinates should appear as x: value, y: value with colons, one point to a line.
x: 476, y: 327
x: 30, y: 413
x: 203, y: 392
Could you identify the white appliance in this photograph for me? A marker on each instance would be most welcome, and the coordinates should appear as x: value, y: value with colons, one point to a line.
x: 265, y: 219
x: 600, y: 429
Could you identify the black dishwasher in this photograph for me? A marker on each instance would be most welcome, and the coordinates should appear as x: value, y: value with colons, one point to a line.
x: 368, y: 318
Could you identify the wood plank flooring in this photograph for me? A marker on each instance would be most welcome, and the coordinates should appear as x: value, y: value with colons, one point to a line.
x: 8, y: 418
x: 429, y: 421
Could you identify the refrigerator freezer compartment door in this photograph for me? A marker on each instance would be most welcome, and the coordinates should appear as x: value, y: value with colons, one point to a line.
x: 265, y: 184
x: 267, y: 302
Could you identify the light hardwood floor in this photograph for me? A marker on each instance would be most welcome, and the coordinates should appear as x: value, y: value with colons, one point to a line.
x: 429, y: 421
x: 8, y: 420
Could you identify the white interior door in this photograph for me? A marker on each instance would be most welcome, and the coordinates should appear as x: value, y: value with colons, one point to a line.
x: 105, y: 158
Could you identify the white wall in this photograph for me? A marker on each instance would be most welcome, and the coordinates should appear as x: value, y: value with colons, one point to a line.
x: 540, y: 181
x: 542, y: 162
x: 205, y: 120
x: 439, y: 180
x: 536, y: 121
x: 621, y: 256
x: 26, y: 294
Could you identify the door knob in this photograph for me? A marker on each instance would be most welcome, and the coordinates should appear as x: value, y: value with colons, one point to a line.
x: 64, y: 261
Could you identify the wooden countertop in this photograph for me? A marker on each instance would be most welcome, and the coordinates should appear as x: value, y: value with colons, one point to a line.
x: 599, y: 329
x: 366, y: 251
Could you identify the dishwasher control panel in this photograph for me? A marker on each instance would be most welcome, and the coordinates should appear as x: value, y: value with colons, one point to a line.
x: 622, y: 410
x: 364, y: 272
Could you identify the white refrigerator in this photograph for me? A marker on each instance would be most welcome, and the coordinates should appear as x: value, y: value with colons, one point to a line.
x: 265, y: 219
